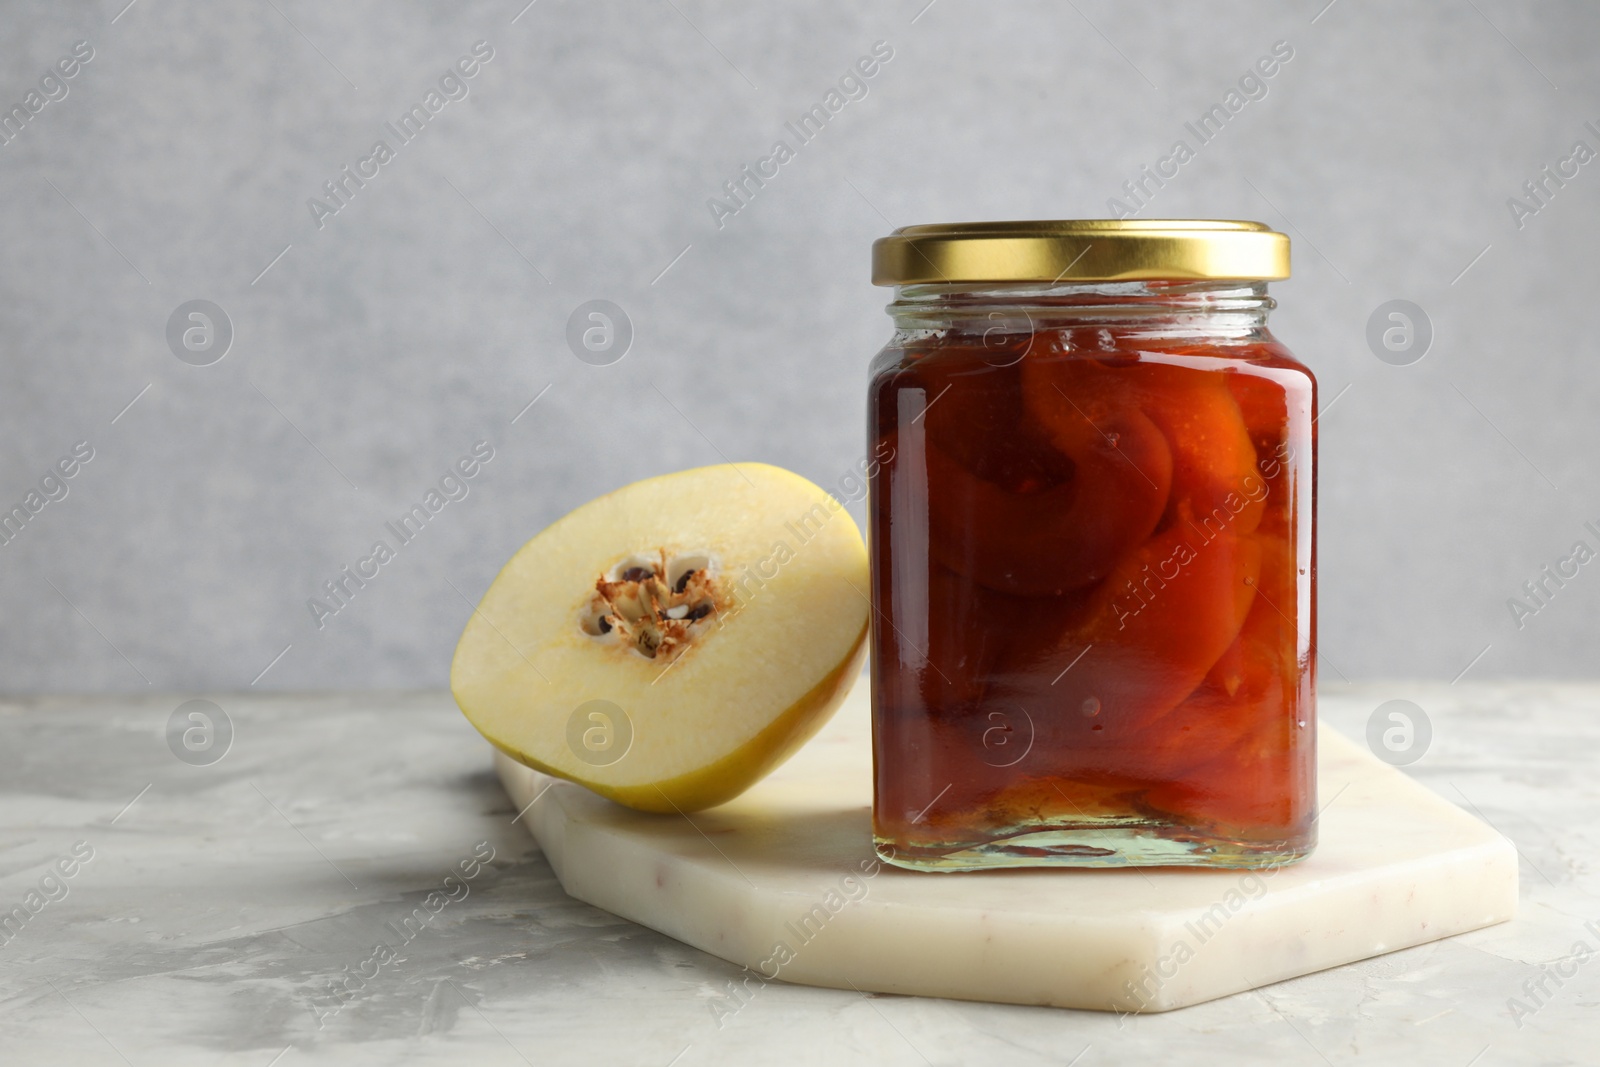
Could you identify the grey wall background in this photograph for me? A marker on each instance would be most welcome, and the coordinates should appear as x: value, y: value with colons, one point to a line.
x: 428, y: 312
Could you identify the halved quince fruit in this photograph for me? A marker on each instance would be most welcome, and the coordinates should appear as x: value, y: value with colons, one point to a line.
x: 669, y: 644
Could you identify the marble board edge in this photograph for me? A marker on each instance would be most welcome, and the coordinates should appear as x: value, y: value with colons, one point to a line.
x: 1108, y: 978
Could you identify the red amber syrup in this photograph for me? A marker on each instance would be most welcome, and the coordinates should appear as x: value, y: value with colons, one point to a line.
x: 1093, y: 580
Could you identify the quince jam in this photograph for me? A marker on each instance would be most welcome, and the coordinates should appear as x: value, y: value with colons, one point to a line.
x: 1093, y: 582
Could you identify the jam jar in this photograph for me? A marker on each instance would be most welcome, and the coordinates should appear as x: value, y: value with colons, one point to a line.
x: 1093, y: 550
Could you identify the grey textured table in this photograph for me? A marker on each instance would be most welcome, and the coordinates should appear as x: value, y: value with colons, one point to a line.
x: 322, y: 894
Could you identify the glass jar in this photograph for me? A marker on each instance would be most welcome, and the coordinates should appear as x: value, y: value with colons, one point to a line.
x: 1093, y: 551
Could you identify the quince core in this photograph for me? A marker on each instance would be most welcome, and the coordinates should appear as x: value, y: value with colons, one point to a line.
x: 670, y: 643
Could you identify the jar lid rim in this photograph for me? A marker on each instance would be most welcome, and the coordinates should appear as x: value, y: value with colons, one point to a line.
x: 1052, y: 250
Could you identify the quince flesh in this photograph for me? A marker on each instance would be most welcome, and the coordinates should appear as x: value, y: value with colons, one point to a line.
x: 670, y: 643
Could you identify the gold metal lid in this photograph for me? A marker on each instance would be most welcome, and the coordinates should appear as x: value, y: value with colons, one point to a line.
x: 1080, y: 250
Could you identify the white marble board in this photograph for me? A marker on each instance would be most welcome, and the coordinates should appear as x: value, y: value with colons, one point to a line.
x: 783, y: 881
